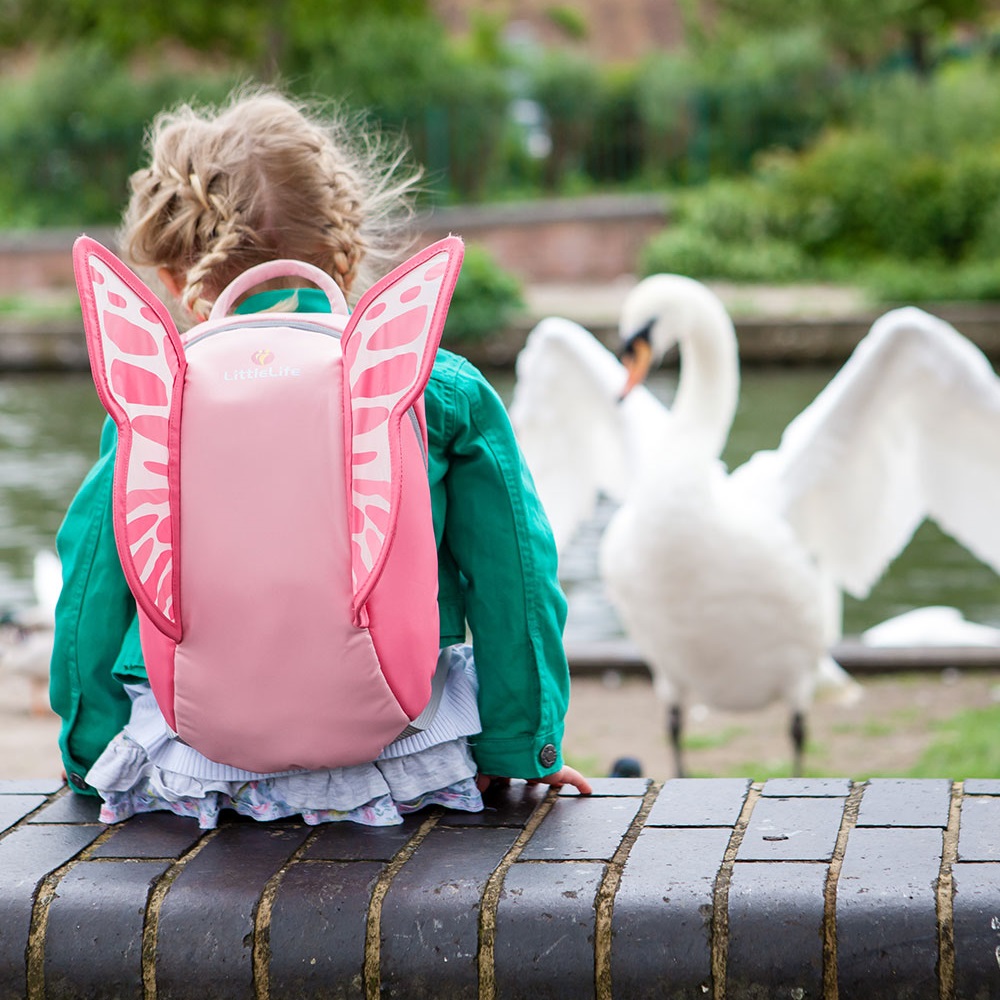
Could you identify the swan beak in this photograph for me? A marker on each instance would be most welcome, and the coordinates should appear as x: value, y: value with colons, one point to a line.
x: 637, y: 359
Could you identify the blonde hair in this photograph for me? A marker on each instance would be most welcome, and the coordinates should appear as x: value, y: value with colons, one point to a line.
x: 260, y: 178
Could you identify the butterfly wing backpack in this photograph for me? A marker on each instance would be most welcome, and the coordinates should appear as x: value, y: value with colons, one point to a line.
x: 272, y: 508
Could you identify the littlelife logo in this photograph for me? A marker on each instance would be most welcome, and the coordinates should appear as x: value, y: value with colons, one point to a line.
x: 262, y: 360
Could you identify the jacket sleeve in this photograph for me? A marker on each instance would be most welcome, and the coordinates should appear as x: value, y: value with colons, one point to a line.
x: 94, y: 617
x: 498, y: 535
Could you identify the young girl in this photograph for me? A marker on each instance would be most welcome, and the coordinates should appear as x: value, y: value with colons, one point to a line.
x: 260, y: 179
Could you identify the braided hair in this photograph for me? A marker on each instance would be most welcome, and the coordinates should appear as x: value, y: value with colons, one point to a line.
x: 261, y: 178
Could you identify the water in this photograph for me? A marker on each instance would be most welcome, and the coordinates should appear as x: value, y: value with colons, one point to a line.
x: 933, y: 569
x: 49, y: 428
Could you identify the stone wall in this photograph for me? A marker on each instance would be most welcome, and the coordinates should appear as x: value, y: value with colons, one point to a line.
x: 719, y: 888
x: 574, y: 240
x: 583, y: 240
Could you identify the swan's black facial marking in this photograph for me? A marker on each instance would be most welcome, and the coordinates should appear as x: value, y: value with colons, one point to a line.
x: 636, y: 355
x: 628, y: 348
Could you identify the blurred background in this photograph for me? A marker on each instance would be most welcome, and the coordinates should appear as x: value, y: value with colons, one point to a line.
x: 845, y: 139
x: 828, y: 145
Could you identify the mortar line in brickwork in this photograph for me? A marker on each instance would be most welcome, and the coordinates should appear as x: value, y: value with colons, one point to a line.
x: 720, y: 894
x: 27, y: 817
x: 151, y: 919
x: 490, y: 899
x: 45, y: 892
x: 604, y: 905
x: 372, y: 971
x: 946, y: 896
x: 261, y: 952
x: 848, y: 821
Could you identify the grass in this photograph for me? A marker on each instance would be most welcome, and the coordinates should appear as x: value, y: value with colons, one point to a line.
x: 965, y: 746
x: 710, y: 741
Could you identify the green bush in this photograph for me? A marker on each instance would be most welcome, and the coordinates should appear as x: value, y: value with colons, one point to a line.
x: 954, y: 108
x: 894, y: 280
x: 710, y: 114
x: 666, y: 86
x: 910, y: 209
x: 485, y: 300
x: 569, y: 90
x: 729, y: 229
x: 859, y: 195
x: 450, y: 105
x: 690, y: 251
x: 613, y: 152
x: 71, y: 134
x: 71, y: 130
x: 762, y: 93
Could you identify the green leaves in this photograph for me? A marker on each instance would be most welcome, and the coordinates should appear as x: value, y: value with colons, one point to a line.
x: 255, y: 32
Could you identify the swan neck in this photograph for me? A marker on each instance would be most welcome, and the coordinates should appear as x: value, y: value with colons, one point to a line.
x: 708, y: 384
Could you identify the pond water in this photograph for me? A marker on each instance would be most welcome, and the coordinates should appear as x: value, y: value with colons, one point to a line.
x: 49, y: 428
x: 933, y: 569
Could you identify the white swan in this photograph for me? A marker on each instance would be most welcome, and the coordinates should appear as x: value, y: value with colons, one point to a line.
x: 931, y: 626
x: 26, y: 636
x: 729, y: 585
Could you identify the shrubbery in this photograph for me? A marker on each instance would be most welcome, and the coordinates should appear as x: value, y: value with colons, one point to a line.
x: 731, y: 229
x: 70, y: 128
x: 485, y: 299
x: 71, y: 133
x: 907, y: 202
x: 782, y: 167
x: 450, y: 105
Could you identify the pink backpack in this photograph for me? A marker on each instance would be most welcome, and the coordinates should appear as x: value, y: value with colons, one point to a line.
x: 272, y: 508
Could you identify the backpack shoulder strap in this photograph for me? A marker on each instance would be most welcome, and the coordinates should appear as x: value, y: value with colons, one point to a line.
x: 389, y: 347
x: 138, y: 366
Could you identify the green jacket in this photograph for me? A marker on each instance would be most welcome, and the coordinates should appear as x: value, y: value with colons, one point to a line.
x: 497, y: 574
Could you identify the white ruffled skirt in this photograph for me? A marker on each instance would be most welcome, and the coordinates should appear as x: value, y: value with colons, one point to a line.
x: 144, y: 769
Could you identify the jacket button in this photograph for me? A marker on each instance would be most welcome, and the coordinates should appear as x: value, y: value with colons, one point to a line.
x: 78, y: 781
x: 547, y: 755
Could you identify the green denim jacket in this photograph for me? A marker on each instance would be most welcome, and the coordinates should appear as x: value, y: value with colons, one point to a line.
x: 497, y: 576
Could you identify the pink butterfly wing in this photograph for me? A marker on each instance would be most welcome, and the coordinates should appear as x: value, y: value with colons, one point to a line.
x: 389, y: 347
x: 138, y: 364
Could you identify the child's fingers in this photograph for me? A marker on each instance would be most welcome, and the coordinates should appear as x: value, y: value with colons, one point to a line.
x: 565, y: 776
x: 570, y: 776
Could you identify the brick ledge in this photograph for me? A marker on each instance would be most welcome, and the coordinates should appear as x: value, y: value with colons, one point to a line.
x: 694, y: 887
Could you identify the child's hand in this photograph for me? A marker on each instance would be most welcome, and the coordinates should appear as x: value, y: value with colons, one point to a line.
x: 564, y: 776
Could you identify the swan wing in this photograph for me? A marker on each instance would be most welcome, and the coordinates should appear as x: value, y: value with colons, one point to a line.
x: 577, y: 438
x: 909, y: 428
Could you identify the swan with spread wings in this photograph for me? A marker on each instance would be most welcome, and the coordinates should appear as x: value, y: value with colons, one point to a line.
x: 728, y: 583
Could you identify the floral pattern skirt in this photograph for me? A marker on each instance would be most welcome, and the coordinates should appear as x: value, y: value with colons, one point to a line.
x: 144, y: 769
x: 444, y: 775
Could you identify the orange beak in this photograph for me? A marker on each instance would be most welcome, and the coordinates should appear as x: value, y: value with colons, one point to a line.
x: 637, y: 363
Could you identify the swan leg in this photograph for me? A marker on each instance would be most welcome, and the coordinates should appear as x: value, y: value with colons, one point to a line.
x: 798, y: 733
x: 675, y: 724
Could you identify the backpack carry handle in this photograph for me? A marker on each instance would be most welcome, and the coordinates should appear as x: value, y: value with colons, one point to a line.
x: 271, y: 269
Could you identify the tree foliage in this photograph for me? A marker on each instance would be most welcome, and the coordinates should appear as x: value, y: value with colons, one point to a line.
x: 269, y: 35
x: 862, y: 31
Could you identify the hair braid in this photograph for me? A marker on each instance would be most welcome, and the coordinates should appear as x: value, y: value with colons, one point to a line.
x: 261, y: 178
x: 227, y: 238
x: 344, y: 221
